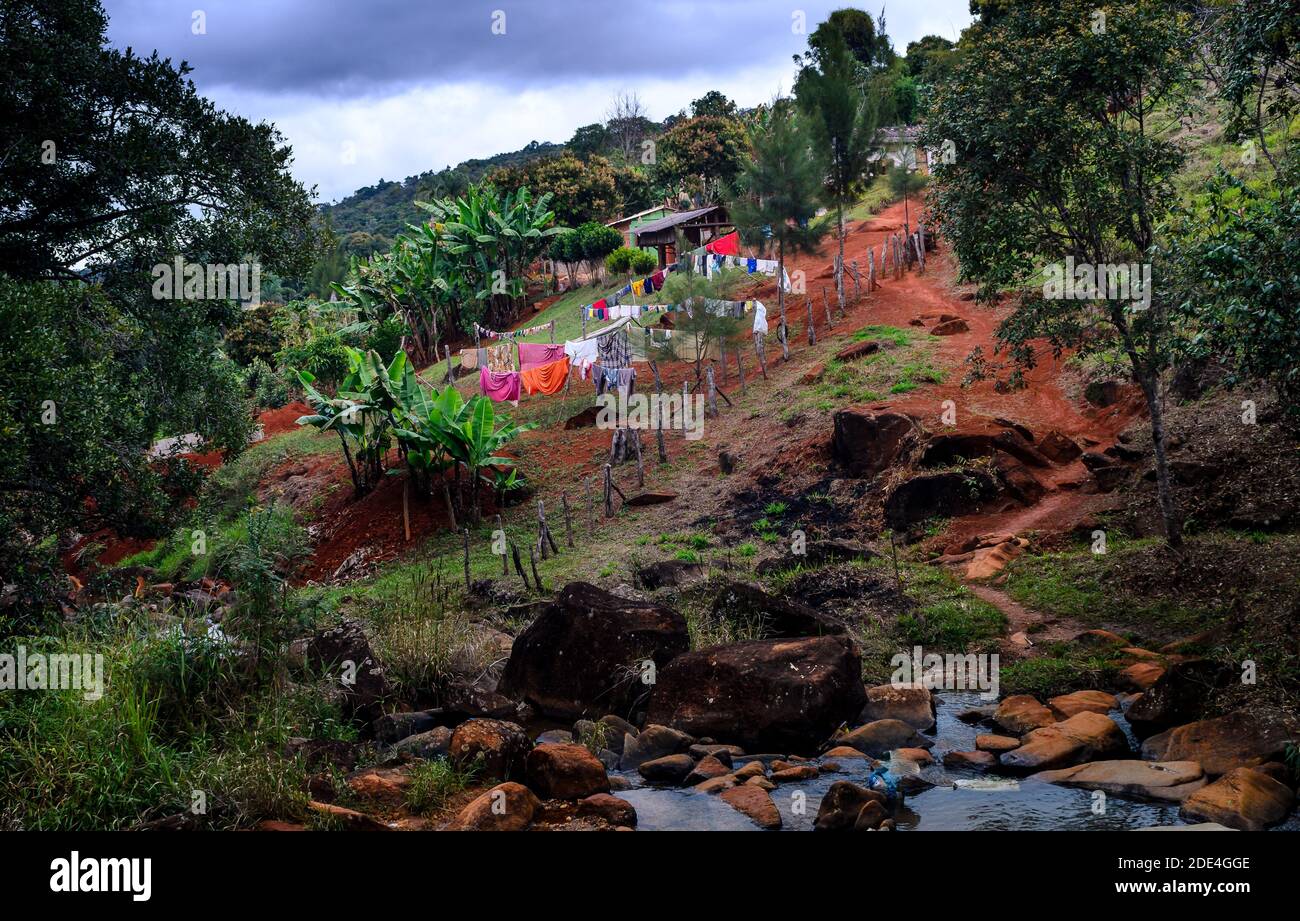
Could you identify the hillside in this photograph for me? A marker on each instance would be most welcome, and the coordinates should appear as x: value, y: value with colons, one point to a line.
x: 385, y: 208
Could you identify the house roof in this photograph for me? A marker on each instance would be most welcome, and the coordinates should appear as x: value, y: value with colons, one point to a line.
x: 633, y: 217
x: 673, y: 220
x: 904, y: 134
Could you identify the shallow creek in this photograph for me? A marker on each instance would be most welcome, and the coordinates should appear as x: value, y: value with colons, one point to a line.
x: 959, y: 801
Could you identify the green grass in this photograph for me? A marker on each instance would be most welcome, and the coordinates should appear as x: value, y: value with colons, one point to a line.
x: 876, y: 199
x: 948, y: 617
x: 435, y: 782
x: 1061, y: 670
x: 1079, y: 584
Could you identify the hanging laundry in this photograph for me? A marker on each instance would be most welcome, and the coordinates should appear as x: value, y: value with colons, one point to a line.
x: 469, y: 359
x: 638, y: 288
x: 658, y: 279
x: 548, y: 378
x: 728, y: 245
x: 535, y: 354
x: 582, y: 354
x: 500, y: 386
x: 760, y: 317
x: 751, y: 266
x: 501, y: 358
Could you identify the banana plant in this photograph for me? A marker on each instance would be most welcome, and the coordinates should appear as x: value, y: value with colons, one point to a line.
x: 363, y: 413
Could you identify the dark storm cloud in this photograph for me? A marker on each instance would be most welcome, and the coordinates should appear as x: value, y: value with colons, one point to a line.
x: 352, y: 48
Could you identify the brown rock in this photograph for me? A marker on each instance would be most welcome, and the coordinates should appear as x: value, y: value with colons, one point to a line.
x: 1243, y: 798
x: 670, y: 769
x: 858, y: 350
x: 950, y: 328
x: 1059, y: 448
x: 1021, y: 713
x: 506, y: 807
x: 917, y: 755
x: 1099, y: 639
x: 608, y: 809
x: 867, y: 443
x: 500, y: 748
x: 1241, y: 739
x: 848, y: 752
x: 911, y: 703
x: 762, y: 694
x: 880, y: 737
x: 565, y: 771
x: 1067, y: 705
x: 987, y: 742
x: 571, y: 661
x: 794, y: 774
x: 1170, y: 781
x: 349, y: 818
x: 751, y: 769
x: 871, y: 817
x: 717, y: 784
x: 1083, y: 737
x: 840, y: 806
x: 754, y: 802
x: 707, y: 768
x: 977, y: 760
x: 1139, y: 676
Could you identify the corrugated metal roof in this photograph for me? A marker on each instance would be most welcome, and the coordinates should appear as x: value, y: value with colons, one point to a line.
x: 672, y: 220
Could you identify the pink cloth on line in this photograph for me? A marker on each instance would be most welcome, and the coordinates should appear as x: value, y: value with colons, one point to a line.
x: 536, y: 354
x: 499, y: 385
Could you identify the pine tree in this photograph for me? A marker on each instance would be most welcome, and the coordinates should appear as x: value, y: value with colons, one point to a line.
x: 844, y: 120
x: 777, y: 191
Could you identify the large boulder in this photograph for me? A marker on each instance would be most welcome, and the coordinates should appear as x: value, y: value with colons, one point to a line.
x: 500, y: 748
x: 950, y: 494
x: 506, y: 807
x: 580, y: 656
x: 1179, y: 695
x: 668, y: 574
x: 1171, y: 781
x: 670, y: 769
x: 565, y: 771
x: 740, y: 603
x: 867, y: 443
x: 880, y: 737
x: 1083, y: 737
x: 344, y: 653
x: 911, y: 703
x: 436, y: 743
x: 1059, y: 448
x: 1244, y: 799
x: 1241, y: 739
x: 775, y: 695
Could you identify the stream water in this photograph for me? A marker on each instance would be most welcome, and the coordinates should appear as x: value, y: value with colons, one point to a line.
x: 958, y: 801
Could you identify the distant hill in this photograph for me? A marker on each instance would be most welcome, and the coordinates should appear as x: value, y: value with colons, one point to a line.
x: 385, y: 208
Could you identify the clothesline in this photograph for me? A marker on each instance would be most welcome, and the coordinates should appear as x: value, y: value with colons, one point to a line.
x: 486, y: 333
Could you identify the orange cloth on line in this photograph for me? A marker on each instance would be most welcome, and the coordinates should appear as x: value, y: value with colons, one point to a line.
x: 548, y: 378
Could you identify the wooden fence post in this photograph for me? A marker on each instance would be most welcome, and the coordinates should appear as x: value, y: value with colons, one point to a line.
x: 812, y: 332
x: 568, y: 524
x: 659, y: 429
x: 505, y: 566
x: 609, y: 491
x: 760, y: 349
x: 712, y: 405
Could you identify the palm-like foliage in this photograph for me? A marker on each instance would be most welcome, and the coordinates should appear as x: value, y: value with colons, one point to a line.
x: 492, y: 236
x: 436, y: 431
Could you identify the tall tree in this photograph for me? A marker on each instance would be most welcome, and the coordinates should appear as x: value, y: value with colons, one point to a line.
x: 700, y: 156
x: 777, y: 193
x: 1079, y: 168
x: 844, y: 121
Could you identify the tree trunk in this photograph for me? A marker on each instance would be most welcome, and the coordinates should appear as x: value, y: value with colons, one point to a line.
x: 839, y: 263
x: 783, y: 333
x: 1173, y: 525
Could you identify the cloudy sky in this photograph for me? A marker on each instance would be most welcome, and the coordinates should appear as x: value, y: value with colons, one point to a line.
x: 371, y: 89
